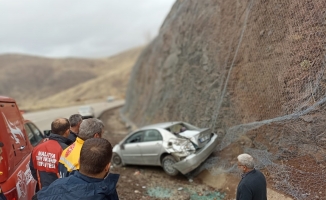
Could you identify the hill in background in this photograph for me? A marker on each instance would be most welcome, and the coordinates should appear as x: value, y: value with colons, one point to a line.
x: 38, y: 82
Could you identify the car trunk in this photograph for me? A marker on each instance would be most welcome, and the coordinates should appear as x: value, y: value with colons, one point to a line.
x: 198, y: 137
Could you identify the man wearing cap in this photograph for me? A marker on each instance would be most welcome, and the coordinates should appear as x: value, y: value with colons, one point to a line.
x: 2, y: 196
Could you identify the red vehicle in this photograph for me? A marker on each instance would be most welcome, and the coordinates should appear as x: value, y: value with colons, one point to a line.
x: 19, y: 137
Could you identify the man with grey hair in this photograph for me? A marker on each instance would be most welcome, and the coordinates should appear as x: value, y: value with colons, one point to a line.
x: 69, y: 160
x: 253, y: 183
x: 75, y: 121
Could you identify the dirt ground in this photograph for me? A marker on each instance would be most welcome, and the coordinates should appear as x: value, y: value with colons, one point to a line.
x: 148, y: 182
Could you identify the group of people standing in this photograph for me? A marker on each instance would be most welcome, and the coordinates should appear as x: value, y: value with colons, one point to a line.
x: 74, y: 163
x: 70, y: 167
x: 89, y: 179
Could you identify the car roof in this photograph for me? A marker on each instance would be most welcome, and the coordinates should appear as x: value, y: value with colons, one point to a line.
x: 26, y: 121
x: 7, y: 99
x: 83, y: 107
x: 161, y: 125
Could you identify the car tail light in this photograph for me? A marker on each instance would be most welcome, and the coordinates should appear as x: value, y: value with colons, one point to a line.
x: 12, y: 194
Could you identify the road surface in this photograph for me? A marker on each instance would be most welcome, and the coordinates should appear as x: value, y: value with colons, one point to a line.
x: 43, y: 119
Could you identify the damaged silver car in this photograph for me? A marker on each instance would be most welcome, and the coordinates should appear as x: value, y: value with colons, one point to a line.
x: 176, y: 146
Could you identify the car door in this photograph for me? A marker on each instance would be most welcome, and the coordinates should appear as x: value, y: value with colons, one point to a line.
x: 130, y: 150
x: 151, y: 147
x: 15, y: 130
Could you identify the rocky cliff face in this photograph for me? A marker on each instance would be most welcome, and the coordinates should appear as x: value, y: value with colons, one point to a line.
x: 251, y: 70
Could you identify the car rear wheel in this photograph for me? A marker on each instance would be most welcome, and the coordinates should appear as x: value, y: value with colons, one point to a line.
x: 167, y: 164
x: 116, y: 159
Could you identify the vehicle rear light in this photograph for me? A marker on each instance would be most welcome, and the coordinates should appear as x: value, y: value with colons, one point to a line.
x: 12, y: 195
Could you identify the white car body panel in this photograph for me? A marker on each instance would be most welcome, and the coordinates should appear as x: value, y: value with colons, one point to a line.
x: 148, y: 145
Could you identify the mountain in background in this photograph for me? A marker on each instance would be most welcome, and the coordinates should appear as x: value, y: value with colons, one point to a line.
x: 38, y: 82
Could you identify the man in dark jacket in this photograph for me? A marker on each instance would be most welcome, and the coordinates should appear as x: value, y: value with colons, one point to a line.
x: 75, y: 121
x: 45, y: 156
x: 253, y: 183
x: 92, y: 181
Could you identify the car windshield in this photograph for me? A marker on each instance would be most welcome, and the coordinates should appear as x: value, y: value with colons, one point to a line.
x: 84, y: 108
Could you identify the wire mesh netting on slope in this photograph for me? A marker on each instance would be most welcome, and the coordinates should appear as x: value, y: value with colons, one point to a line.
x: 290, y: 147
x: 254, y: 72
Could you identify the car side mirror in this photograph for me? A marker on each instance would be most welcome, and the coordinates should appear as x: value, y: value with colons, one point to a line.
x: 47, y: 133
x: 122, y: 146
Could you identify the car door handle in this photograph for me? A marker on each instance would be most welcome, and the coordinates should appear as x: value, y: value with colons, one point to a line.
x: 21, y: 148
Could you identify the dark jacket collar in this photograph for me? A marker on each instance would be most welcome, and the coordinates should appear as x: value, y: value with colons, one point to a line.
x: 60, y: 139
x: 72, y: 136
x: 71, y: 132
x: 250, y: 172
x: 107, y: 185
x: 79, y: 186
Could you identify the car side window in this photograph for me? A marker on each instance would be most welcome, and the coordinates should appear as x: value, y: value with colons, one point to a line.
x: 137, y: 137
x: 37, y: 133
x: 31, y: 135
x: 152, y: 135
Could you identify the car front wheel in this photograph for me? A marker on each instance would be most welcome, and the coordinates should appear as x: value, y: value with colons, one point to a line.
x: 116, y: 159
x: 167, y: 164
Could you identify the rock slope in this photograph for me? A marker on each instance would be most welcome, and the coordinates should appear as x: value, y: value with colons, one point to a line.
x: 251, y: 70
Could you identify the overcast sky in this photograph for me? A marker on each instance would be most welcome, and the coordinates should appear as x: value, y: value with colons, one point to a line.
x: 79, y: 28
